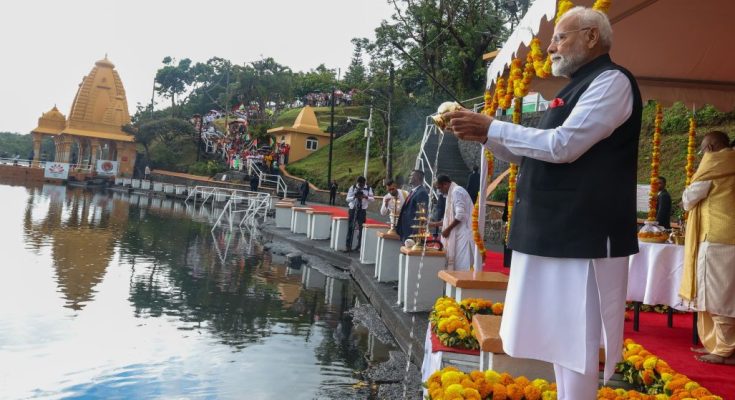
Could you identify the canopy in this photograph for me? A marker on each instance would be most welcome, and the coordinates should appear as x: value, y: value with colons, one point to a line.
x: 678, y: 50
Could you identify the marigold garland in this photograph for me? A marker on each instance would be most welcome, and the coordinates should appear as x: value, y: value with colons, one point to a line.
x: 511, y: 196
x: 562, y: 7
x: 602, y: 5
x: 539, y: 61
x: 655, y: 160
x: 476, y: 235
x: 691, y: 150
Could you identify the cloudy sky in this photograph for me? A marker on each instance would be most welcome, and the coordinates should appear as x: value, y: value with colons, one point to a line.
x: 49, y: 45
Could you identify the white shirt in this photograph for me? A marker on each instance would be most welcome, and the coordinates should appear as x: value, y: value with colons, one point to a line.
x: 385, y: 210
x: 604, y: 106
x: 366, y: 190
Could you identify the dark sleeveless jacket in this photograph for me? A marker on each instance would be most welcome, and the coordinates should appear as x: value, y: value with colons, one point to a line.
x: 570, y: 210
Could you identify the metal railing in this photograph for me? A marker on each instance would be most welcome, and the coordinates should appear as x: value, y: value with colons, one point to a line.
x: 248, y: 207
x: 21, y: 162
x: 274, y: 179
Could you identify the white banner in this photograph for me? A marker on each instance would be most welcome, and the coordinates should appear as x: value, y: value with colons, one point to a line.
x: 56, y: 170
x: 106, y: 168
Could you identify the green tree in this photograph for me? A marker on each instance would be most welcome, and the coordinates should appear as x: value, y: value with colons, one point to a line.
x: 173, y: 79
x: 164, y: 131
x: 356, y: 73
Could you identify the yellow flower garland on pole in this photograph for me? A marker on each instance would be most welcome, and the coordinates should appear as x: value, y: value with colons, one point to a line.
x: 655, y: 160
x: 691, y: 151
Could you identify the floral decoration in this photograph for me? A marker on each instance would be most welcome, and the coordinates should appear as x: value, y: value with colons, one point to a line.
x: 655, y: 160
x: 452, y: 321
x: 557, y: 102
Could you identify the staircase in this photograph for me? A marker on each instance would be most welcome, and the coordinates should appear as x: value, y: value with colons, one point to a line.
x: 450, y: 160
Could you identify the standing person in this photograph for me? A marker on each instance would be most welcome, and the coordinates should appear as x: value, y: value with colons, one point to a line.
x: 359, y: 197
x: 455, y: 224
x: 304, y: 191
x: 473, y: 183
x: 417, y: 195
x: 663, y: 206
x: 392, y: 201
x: 333, y: 192
x: 147, y: 172
x: 255, y: 182
x: 709, y: 252
x: 574, y: 219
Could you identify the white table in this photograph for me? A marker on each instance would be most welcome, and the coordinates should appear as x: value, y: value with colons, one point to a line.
x: 654, y: 275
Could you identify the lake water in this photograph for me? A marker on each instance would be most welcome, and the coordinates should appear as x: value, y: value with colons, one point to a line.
x: 110, y: 295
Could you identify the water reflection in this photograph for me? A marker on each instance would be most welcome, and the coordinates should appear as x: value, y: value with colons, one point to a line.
x: 130, y: 296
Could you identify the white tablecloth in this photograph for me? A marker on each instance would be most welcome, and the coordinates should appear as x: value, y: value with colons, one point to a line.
x: 654, y: 275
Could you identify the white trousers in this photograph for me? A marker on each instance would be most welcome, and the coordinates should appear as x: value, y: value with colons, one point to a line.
x: 561, y: 310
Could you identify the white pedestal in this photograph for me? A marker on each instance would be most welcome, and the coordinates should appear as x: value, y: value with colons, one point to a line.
x: 333, y: 292
x: 126, y: 181
x: 118, y: 181
x: 135, y: 183
x: 339, y: 233
x: 319, y: 225
x: 168, y: 188
x: 283, y: 215
x: 299, y: 220
x: 157, y: 187
x: 430, y: 287
x: 386, y: 265
x: 179, y: 189
x: 145, y: 185
x: 369, y: 242
x: 475, y: 284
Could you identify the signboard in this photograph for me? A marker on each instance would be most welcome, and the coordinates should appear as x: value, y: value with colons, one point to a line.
x: 107, y: 168
x: 56, y: 170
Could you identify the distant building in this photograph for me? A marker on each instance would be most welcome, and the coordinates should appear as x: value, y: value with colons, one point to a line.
x: 304, y: 137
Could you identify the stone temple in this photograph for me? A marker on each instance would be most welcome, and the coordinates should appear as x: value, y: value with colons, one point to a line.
x: 93, y: 130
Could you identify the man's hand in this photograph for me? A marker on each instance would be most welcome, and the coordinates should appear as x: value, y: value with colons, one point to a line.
x: 446, y: 232
x: 468, y: 125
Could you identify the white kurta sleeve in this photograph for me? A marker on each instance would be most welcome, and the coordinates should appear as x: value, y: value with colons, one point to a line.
x: 383, y: 209
x: 605, y: 105
x: 461, y: 213
x: 695, y: 193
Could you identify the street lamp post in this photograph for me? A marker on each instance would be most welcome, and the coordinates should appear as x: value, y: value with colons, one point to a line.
x: 368, y: 135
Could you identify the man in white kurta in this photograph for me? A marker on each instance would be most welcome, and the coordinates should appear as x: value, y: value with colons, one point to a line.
x: 561, y: 309
x: 456, y: 225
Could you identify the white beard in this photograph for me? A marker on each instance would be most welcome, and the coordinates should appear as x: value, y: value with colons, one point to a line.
x: 566, y: 65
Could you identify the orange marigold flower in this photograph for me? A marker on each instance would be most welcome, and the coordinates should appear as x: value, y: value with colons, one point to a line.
x: 499, y: 392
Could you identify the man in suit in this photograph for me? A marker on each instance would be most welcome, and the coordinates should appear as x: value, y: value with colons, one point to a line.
x: 418, y: 195
x: 663, y: 206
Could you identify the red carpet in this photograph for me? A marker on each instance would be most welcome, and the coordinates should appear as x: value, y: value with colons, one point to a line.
x: 672, y: 345
x: 339, y: 212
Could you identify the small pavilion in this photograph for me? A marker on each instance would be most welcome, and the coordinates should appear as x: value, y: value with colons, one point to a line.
x: 93, y: 130
x: 304, y: 137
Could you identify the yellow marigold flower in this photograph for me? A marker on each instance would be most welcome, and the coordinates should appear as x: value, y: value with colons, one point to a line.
x: 662, y: 397
x: 436, y: 394
x: 620, y: 392
x: 461, y: 333
x: 451, y: 377
x: 455, y: 388
x: 522, y: 381
x: 477, y: 376
x: 650, y: 362
x: 606, y: 393
x: 549, y: 395
x: 691, y: 385
x: 492, y: 377
x: 497, y: 308
x: 541, y: 384
x: 700, y: 392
